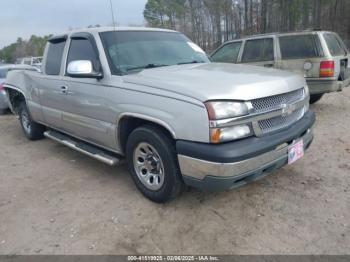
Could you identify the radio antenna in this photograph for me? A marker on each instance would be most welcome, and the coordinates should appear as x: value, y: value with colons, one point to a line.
x: 114, y: 34
x: 112, y: 11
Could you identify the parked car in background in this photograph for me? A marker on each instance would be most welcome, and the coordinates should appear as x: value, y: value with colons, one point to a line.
x: 32, y: 61
x: 152, y: 96
x: 4, y: 69
x: 320, y: 56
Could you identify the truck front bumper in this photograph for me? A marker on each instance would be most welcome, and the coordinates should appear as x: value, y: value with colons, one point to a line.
x: 326, y: 86
x: 221, y: 167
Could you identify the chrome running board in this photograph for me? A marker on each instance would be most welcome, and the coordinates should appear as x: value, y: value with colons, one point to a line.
x: 85, y: 148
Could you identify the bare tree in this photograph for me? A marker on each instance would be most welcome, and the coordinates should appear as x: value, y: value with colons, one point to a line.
x: 210, y: 22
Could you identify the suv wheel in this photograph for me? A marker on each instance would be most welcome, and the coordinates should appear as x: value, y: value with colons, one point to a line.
x: 153, y: 164
x: 31, y: 129
x: 315, y: 98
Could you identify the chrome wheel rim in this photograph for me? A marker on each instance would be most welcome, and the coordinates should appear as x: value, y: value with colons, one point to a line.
x: 25, y: 122
x: 148, y: 166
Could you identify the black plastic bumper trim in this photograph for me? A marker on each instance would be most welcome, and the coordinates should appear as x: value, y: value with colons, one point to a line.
x: 245, y: 148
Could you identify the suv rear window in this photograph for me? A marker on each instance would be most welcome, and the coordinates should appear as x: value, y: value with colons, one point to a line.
x: 228, y: 53
x: 334, y: 45
x: 300, y: 46
x: 258, y: 50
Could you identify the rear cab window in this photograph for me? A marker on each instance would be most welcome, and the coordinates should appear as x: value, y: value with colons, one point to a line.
x: 300, y: 46
x: 227, y: 53
x: 258, y: 50
x: 335, y: 45
x: 54, y: 56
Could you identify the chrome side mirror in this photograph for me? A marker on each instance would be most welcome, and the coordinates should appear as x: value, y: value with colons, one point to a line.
x: 82, y: 69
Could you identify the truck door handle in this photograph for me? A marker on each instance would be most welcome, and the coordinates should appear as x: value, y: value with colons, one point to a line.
x: 64, y: 90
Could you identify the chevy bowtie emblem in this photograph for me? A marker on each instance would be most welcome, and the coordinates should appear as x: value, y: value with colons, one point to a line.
x: 288, y: 109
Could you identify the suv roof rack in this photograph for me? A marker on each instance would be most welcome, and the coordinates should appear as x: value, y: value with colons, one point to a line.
x: 285, y: 32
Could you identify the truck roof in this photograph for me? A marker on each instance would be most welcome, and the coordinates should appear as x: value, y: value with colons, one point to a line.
x: 111, y: 28
x: 57, y: 37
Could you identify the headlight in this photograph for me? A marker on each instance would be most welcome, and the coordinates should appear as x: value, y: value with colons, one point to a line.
x: 225, y: 109
x: 218, y: 110
x: 219, y: 135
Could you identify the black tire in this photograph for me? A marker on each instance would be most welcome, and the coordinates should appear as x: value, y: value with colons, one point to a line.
x: 172, y: 179
x: 315, y: 98
x: 31, y: 129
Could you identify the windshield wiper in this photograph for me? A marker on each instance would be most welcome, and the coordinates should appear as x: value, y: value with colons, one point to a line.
x: 190, y: 62
x: 146, y: 67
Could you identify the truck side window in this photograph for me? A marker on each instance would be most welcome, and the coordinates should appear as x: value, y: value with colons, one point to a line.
x: 54, y: 58
x: 228, y: 53
x: 82, y: 49
x: 258, y: 50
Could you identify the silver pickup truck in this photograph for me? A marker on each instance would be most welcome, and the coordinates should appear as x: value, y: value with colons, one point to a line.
x: 152, y: 97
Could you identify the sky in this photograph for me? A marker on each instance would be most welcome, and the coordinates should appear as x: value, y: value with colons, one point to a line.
x: 23, y: 18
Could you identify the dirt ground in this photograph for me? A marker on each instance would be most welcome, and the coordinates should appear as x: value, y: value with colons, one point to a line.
x: 57, y: 201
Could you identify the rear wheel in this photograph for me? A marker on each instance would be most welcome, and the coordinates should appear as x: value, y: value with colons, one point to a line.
x: 153, y: 164
x: 31, y: 129
x: 315, y: 98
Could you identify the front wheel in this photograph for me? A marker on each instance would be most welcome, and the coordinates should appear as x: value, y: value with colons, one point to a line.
x: 31, y: 129
x: 315, y: 98
x: 153, y: 164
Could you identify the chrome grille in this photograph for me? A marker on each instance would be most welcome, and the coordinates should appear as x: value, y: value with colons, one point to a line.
x: 279, y: 122
x: 274, y: 102
x: 267, y: 105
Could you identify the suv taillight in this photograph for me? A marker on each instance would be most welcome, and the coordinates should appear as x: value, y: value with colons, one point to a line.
x: 327, y: 69
x: 2, y: 86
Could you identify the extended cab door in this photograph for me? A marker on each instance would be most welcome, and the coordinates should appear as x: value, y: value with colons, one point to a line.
x: 87, y: 114
x: 259, y: 52
x: 50, y: 83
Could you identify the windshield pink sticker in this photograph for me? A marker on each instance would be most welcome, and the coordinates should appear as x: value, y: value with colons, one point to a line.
x: 295, y: 152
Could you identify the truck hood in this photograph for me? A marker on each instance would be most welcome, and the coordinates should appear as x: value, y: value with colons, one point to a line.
x: 211, y: 81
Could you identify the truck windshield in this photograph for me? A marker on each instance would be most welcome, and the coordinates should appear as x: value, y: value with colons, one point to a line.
x: 132, y: 51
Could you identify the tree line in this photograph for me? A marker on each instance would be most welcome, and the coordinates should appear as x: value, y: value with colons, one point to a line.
x: 23, y: 48
x: 211, y: 22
